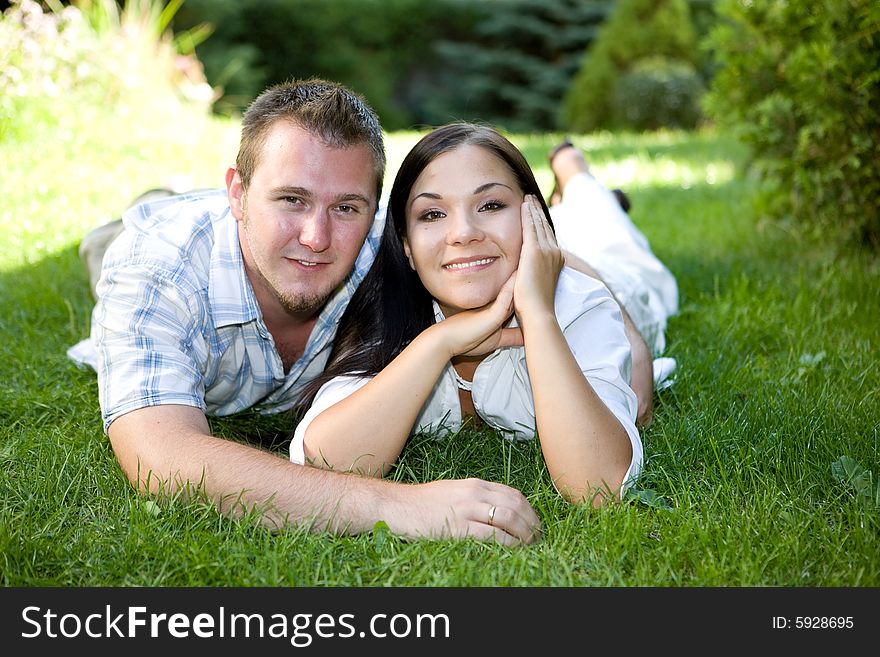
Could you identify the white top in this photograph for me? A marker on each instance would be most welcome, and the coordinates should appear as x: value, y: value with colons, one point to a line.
x: 502, y: 396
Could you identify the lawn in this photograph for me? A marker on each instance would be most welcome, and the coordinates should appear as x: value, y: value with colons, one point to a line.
x: 761, y: 463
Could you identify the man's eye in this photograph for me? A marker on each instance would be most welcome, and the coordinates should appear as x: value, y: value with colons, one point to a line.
x: 346, y: 209
x: 292, y: 200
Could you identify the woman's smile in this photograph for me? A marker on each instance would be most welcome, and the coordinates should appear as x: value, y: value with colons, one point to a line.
x: 470, y: 264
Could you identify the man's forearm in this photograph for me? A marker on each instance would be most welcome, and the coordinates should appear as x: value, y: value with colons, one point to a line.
x: 169, y: 449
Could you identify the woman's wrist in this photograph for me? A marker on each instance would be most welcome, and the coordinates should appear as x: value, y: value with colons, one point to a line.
x: 433, y: 340
x: 538, y: 322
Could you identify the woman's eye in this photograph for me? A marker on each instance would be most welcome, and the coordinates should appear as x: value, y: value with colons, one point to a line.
x: 431, y: 215
x: 491, y: 206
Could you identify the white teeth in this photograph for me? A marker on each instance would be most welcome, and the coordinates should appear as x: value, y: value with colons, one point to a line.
x: 307, y: 264
x: 465, y: 265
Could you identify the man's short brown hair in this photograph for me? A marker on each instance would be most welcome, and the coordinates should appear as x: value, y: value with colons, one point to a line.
x: 340, y: 117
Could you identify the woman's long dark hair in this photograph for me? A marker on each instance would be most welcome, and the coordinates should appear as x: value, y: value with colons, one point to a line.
x: 391, y: 306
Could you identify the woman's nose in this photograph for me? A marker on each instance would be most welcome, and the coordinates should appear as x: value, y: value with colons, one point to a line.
x: 462, y: 227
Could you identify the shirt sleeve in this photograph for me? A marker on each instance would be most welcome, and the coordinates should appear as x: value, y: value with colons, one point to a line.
x: 146, y: 330
x: 329, y: 394
x: 591, y: 321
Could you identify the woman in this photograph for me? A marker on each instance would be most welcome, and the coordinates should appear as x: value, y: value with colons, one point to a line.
x: 468, y: 310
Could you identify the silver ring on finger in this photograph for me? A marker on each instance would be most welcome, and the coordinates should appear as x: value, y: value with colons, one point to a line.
x: 492, y: 516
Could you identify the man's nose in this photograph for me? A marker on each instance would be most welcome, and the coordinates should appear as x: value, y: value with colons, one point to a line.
x: 315, y: 231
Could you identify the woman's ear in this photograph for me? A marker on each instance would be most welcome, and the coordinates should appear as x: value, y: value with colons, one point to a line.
x: 408, y: 253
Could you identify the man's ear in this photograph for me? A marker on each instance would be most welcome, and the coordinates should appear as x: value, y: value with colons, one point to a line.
x: 235, y: 193
x: 408, y: 253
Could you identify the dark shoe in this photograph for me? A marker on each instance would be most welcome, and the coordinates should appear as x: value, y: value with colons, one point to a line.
x: 623, y: 199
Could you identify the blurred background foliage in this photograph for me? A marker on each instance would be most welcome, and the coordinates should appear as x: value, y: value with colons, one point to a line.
x: 796, y: 80
x: 419, y: 62
x: 426, y: 62
x: 641, y: 72
x: 61, y: 65
x: 799, y: 83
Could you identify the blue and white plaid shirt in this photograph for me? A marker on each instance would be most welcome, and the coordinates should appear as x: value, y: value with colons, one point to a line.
x: 177, y: 321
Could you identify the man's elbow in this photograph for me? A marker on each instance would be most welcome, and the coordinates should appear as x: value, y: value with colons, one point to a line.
x: 158, y: 447
x: 134, y: 460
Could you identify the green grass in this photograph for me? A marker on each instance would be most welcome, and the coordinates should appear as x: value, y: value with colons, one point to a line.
x: 777, y: 348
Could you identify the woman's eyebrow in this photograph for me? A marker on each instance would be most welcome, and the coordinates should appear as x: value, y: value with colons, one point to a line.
x: 479, y: 190
x: 431, y: 195
x: 488, y: 185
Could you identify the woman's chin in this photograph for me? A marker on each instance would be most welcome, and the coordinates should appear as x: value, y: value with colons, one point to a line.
x: 453, y: 306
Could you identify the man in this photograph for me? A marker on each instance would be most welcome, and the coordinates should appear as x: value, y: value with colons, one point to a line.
x: 212, y: 303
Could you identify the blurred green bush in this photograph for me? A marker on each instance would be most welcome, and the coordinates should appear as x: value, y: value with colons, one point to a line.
x: 623, y: 59
x: 799, y: 82
x: 515, y: 65
x: 658, y: 93
x: 57, y: 66
x: 375, y: 47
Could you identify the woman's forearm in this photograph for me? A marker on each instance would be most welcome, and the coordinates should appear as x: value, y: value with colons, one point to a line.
x: 587, y: 450
x: 366, y: 431
x: 642, y: 377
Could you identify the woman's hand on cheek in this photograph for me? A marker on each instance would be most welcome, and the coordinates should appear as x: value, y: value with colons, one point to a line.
x: 481, y: 331
x: 540, y: 262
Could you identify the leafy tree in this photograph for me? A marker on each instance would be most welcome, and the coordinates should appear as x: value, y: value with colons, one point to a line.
x: 799, y: 81
x: 371, y: 46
